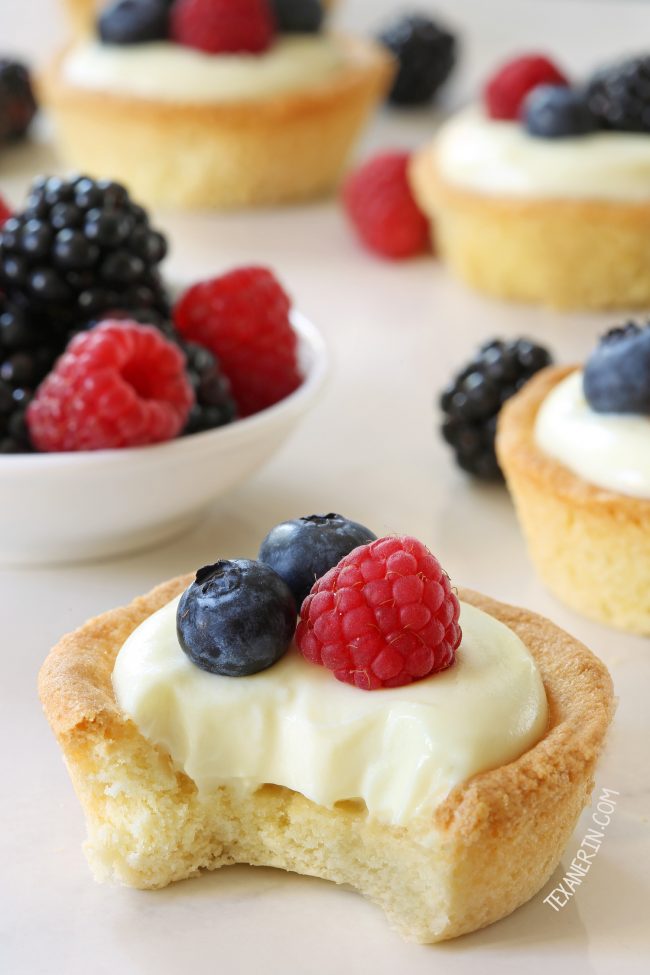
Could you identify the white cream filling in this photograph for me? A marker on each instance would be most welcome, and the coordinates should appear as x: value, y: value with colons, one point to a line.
x: 610, y: 450
x: 500, y: 158
x: 399, y: 750
x: 172, y: 72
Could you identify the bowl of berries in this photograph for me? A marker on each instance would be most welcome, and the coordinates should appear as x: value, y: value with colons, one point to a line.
x: 124, y: 414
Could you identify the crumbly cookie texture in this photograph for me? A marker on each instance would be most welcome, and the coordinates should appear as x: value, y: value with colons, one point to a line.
x: 485, y: 850
x: 562, y: 253
x: 591, y: 546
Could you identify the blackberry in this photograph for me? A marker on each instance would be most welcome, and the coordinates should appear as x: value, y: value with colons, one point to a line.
x: 24, y: 361
x: 78, y: 249
x: 472, y: 401
x: 214, y: 405
x: 425, y: 53
x: 619, y: 96
x: 17, y: 102
x: 297, y: 16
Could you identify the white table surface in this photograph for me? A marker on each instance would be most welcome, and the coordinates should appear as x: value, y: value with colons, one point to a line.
x: 369, y: 449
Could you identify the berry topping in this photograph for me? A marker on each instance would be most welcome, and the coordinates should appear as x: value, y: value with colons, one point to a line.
x: 25, y: 359
x: 381, y: 207
x: 472, y: 401
x: 223, y: 26
x: 505, y: 91
x: 243, y: 318
x: 303, y: 550
x: 214, y: 405
x: 619, y: 96
x: 134, y: 22
x: 80, y: 248
x: 297, y: 16
x: 555, y: 111
x: 617, y: 374
x: 120, y: 385
x: 17, y: 102
x: 425, y: 53
x: 236, y: 618
x: 5, y: 212
x: 385, y: 616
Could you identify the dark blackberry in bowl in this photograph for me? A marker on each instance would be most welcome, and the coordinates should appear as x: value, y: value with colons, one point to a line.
x: 80, y: 248
x: 471, y: 402
x: 214, y: 406
x: 25, y: 359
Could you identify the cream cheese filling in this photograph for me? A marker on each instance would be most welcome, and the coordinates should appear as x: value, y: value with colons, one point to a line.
x: 499, y: 158
x: 610, y: 450
x: 398, y: 750
x: 171, y: 72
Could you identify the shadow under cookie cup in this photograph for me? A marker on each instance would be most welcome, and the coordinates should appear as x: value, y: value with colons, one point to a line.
x: 590, y: 545
x: 562, y: 253
x: 485, y: 850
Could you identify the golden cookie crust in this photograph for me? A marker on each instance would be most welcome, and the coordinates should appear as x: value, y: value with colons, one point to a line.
x: 565, y: 253
x: 590, y: 545
x: 286, y: 148
x: 485, y: 850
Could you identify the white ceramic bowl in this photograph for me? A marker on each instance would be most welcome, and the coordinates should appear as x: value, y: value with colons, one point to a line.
x: 71, y: 507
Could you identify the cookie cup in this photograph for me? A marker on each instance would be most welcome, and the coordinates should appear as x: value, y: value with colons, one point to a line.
x: 281, y: 149
x: 491, y: 844
x: 566, y: 254
x: 590, y: 545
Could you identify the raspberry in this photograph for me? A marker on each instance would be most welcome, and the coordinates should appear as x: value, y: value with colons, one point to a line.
x: 385, y: 616
x: 379, y: 202
x: 120, y: 385
x: 5, y: 212
x: 243, y: 318
x: 223, y: 26
x: 505, y: 91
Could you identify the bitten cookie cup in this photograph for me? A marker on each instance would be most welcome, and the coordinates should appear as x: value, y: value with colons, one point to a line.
x: 590, y: 545
x: 564, y: 253
x: 489, y: 847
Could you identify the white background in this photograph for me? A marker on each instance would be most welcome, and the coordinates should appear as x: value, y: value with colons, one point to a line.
x: 370, y: 450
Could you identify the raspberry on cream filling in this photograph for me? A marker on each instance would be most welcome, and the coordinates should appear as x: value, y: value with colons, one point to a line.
x: 172, y: 72
x: 399, y: 750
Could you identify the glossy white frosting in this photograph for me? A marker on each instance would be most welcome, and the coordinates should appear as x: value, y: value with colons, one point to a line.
x: 489, y: 156
x: 295, y: 725
x: 172, y: 72
x: 610, y: 450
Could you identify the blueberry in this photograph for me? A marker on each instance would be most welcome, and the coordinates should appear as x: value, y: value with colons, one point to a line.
x: 304, y: 549
x: 134, y: 22
x: 555, y: 112
x: 617, y: 374
x: 236, y: 618
x: 298, y: 16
